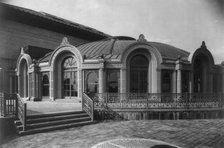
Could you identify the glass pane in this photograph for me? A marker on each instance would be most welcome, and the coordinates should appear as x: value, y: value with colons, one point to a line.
x: 69, y: 62
x: 166, y: 81
x: 70, y: 77
x: 113, y: 81
x: 74, y: 83
x: 92, y: 83
x: 139, y: 74
x: 45, y: 83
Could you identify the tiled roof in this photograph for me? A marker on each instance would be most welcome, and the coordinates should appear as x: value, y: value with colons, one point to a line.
x: 114, y: 48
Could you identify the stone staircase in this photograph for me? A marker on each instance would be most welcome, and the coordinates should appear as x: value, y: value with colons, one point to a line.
x: 53, y: 121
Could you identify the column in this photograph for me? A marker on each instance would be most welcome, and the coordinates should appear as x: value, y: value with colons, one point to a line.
x: 174, y: 82
x: 123, y: 80
x: 178, y: 68
x: 51, y: 87
x: 34, y: 84
x: 80, y: 84
x: 179, y: 81
x: 101, y: 87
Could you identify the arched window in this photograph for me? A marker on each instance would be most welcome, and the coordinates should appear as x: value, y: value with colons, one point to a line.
x: 198, y: 76
x: 139, y: 74
x: 70, y: 77
x: 45, y: 82
x: 91, y: 82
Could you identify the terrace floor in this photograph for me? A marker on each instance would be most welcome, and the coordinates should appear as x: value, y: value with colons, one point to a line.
x: 47, y: 106
x: 182, y: 133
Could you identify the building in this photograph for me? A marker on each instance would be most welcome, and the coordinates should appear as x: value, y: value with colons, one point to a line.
x: 23, y: 28
x: 105, y: 68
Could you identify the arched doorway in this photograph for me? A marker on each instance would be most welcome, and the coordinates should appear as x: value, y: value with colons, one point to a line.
x: 70, y: 81
x: 23, y: 79
x: 138, y: 74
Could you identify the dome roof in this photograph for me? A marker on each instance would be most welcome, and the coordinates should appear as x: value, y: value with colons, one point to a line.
x: 113, y: 48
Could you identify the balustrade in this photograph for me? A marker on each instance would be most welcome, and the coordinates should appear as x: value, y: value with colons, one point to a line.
x: 8, y: 104
x: 21, y: 113
x: 88, y: 106
x: 158, y: 100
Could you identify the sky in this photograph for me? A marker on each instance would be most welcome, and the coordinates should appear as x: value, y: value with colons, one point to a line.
x: 181, y: 23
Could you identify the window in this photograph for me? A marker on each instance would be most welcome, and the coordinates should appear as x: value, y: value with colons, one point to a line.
x: 45, y: 82
x: 185, y: 81
x: 91, y: 81
x: 166, y: 81
x: 70, y: 77
x: 139, y: 74
x: 113, y: 79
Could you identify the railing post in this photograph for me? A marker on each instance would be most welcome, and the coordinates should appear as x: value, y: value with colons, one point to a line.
x: 24, y: 117
x: 92, y: 109
x: 16, y: 100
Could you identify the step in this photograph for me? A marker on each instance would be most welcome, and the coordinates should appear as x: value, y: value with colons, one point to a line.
x: 52, y: 123
x: 54, y: 118
x: 56, y: 127
x: 54, y: 114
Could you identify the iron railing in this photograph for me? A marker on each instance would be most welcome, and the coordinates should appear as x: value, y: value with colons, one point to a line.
x: 22, y: 111
x: 88, y: 106
x: 159, y: 100
x: 8, y: 104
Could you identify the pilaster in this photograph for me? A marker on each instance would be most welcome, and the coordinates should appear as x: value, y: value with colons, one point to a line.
x: 122, y: 80
x: 51, y: 85
x: 179, y: 75
x: 174, y: 82
x: 101, y: 82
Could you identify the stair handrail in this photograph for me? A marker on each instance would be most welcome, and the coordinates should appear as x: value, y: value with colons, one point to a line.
x: 88, y: 106
x: 21, y: 111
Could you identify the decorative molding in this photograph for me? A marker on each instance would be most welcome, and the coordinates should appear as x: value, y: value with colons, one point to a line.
x: 64, y: 42
x: 141, y: 38
x: 22, y: 51
x: 110, y: 65
x: 92, y: 66
x: 203, y: 46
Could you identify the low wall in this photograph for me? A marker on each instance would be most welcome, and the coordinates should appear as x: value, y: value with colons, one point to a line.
x: 7, y: 129
x: 157, y: 115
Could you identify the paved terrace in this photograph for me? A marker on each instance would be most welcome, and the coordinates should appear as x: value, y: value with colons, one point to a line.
x: 183, y: 133
x: 47, y: 106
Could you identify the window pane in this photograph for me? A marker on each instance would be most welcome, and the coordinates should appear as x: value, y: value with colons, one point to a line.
x: 70, y: 77
x: 139, y: 74
x: 45, y: 87
x: 113, y: 79
x: 166, y: 81
x: 91, y: 82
